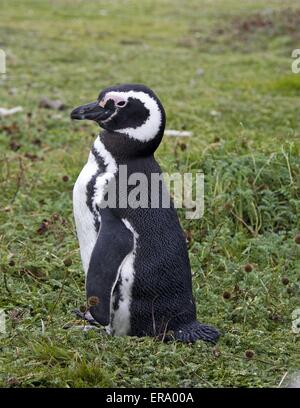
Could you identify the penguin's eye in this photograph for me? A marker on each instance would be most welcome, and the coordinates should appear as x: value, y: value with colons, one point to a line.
x: 120, y: 104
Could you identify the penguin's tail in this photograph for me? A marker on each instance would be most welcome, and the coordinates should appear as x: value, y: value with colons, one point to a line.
x: 191, y: 332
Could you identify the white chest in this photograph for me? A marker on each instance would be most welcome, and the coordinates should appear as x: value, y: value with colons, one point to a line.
x: 84, y: 217
x: 88, y: 193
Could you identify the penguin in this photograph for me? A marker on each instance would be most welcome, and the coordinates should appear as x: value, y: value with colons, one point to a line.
x: 137, y: 269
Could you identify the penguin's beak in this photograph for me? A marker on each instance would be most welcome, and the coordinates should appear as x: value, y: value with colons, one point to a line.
x: 91, y: 111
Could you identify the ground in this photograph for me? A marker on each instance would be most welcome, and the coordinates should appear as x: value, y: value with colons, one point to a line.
x: 223, y: 71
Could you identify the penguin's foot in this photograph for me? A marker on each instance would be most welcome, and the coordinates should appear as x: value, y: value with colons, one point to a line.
x: 85, y: 328
x: 89, y: 323
x: 191, y: 332
x: 86, y: 316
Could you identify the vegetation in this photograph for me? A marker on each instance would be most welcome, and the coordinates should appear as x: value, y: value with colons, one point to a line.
x: 223, y: 71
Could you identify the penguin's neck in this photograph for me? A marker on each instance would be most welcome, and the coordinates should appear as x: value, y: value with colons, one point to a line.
x: 124, y: 148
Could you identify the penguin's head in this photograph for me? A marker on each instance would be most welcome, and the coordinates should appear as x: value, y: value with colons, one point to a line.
x: 129, y: 112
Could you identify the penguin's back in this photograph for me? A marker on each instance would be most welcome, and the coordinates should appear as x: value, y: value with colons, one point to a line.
x: 161, y: 292
x: 162, y: 288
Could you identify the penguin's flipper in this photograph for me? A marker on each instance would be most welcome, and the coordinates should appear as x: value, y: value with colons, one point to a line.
x: 114, y: 243
x: 191, y: 332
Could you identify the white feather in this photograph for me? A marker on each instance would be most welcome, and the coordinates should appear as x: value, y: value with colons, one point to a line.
x: 12, y: 111
x: 111, y: 169
x: 84, y: 219
x: 121, y: 321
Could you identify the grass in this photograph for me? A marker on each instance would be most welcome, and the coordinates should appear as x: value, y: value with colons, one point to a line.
x: 244, y: 254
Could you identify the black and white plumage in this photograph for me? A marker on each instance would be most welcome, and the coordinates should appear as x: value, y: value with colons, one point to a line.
x: 135, y: 259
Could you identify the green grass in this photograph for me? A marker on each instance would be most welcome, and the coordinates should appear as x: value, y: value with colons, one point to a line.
x: 249, y: 153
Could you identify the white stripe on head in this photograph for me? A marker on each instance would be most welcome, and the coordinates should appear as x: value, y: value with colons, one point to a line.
x: 150, y: 128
